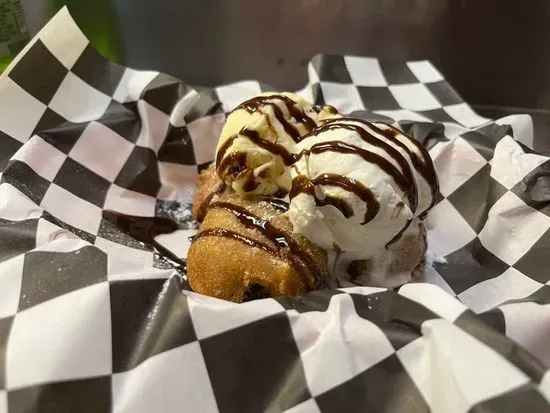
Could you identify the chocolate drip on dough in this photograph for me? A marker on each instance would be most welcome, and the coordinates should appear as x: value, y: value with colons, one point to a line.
x: 285, y: 245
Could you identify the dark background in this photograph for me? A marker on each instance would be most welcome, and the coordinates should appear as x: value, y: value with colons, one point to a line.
x: 496, y: 53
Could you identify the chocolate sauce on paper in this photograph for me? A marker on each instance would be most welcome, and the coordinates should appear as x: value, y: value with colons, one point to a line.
x: 145, y: 229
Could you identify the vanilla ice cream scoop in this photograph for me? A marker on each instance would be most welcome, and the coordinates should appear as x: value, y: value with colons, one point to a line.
x: 258, y: 142
x: 357, y: 186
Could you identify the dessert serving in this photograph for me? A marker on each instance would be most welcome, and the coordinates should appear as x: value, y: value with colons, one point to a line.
x: 301, y: 197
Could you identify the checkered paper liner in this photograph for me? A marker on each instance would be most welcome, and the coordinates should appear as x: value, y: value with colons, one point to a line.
x: 92, y: 320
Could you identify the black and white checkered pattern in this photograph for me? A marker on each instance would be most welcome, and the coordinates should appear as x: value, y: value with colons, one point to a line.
x: 93, y: 320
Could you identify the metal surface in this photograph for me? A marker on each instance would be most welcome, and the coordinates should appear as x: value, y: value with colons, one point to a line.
x: 494, y: 52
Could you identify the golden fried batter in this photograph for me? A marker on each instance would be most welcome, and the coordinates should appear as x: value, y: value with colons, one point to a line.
x: 246, y: 249
x: 208, y: 184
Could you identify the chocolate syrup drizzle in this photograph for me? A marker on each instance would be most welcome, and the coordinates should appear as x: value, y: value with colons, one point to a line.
x: 302, y: 184
x: 252, y: 106
x: 425, y: 166
x: 402, y: 175
x: 294, y: 110
x: 284, y: 246
x: 278, y: 204
x: 223, y: 162
x: 405, y: 181
x: 226, y: 233
x: 400, y: 233
x: 203, y: 208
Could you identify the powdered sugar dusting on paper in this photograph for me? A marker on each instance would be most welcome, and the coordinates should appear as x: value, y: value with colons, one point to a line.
x: 431, y: 259
x: 440, y: 260
x: 178, y: 212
